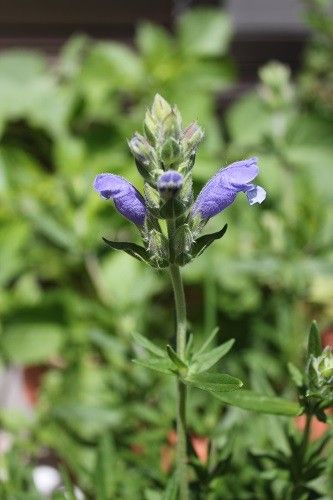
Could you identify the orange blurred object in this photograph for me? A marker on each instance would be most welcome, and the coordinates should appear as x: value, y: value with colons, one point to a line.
x: 168, y: 452
x: 317, y: 429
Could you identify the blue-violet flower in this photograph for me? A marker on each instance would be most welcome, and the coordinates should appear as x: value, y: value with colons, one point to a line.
x: 127, y: 199
x: 170, y: 181
x: 221, y: 190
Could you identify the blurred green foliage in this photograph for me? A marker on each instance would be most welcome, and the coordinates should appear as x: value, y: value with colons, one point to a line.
x: 70, y: 304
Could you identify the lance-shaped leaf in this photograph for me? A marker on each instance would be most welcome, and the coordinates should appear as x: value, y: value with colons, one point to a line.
x: 314, y: 344
x: 207, y: 239
x: 132, y: 249
x: 147, y: 344
x: 295, y: 374
x: 249, y: 400
x: 157, y: 365
x: 214, y: 382
x: 202, y: 362
x: 175, y: 358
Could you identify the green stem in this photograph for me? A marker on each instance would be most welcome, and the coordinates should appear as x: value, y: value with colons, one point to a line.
x: 297, y: 482
x: 180, y: 305
x: 306, y: 436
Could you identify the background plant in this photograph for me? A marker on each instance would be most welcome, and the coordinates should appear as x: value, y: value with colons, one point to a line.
x: 64, y: 297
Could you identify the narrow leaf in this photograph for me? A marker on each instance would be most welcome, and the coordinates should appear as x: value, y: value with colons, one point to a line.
x: 68, y: 485
x: 157, y: 365
x: 148, y: 345
x: 314, y: 344
x: 132, y: 249
x: 206, y: 360
x: 295, y: 374
x: 207, y: 239
x: 171, y: 491
x: 214, y: 382
x: 175, y: 358
x: 208, y: 341
x: 248, y: 400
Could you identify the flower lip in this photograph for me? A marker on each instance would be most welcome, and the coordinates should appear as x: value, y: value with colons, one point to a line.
x: 127, y: 199
x: 170, y: 181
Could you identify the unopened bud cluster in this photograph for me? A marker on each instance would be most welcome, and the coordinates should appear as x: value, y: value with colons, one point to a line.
x: 320, y: 370
x: 276, y: 89
x: 164, y: 156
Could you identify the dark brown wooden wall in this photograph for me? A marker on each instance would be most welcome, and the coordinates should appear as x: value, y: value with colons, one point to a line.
x: 46, y: 24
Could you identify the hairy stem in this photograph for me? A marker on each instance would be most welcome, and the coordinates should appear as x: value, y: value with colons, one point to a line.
x: 180, y: 305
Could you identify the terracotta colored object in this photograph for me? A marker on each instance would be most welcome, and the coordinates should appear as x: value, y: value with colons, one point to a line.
x: 327, y: 336
x: 168, y: 452
x: 317, y: 429
x: 32, y: 379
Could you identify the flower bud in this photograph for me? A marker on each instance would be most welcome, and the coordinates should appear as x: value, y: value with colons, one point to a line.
x: 170, y: 152
x: 172, y: 124
x: 169, y: 183
x: 160, y: 108
x: 320, y: 369
x: 158, y: 247
x: 145, y: 155
x: 150, y: 127
x: 325, y: 365
x: 192, y: 136
x: 183, y: 244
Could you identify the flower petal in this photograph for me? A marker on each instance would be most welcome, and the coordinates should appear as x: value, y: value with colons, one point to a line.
x: 170, y: 180
x: 222, y: 189
x: 256, y: 194
x: 127, y: 199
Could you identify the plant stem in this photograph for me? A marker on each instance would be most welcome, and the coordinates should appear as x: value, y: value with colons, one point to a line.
x: 306, y: 435
x: 297, y: 486
x: 180, y: 305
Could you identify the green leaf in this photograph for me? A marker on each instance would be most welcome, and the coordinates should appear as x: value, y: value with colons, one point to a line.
x: 206, y: 360
x: 295, y: 374
x: 68, y: 485
x: 157, y: 365
x: 32, y: 343
x: 175, y: 358
x: 104, y: 481
x: 207, y: 239
x: 208, y: 341
x: 132, y: 249
x: 204, y: 32
x: 148, y: 345
x: 171, y: 491
x: 214, y: 382
x: 314, y: 344
x: 249, y: 400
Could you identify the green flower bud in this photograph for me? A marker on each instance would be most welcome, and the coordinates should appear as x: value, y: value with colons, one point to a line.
x: 320, y: 369
x: 150, y: 127
x: 276, y: 89
x: 325, y: 365
x: 170, y: 152
x: 191, y: 137
x: 172, y: 124
x: 183, y: 244
x: 144, y: 153
x: 160, y: 108
x: 152, y: 198
x: 158, y: 248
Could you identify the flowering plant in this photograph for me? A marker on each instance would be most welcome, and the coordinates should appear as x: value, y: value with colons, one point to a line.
x: 171, y: 222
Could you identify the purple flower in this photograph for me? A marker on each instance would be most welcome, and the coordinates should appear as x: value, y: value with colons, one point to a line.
x: 127, y: 199
x: 222, y: 189
x: 171, y: 180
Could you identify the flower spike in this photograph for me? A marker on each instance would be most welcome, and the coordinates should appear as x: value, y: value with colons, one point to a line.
x: 127, y: 199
